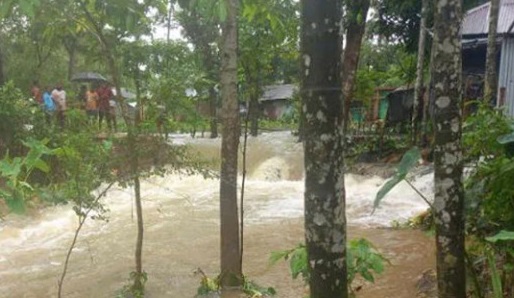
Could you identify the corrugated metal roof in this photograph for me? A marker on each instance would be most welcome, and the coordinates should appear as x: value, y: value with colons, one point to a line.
x: 476, y: 20
x: 274, y: 92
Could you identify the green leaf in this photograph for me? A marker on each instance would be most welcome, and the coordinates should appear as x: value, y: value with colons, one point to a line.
x: 11, y: 170
x: 501, y: 236
x: 409, y: 160
x: 506, y: 139
x: 367, y: 275
x: 385, y: 189
x: 271, y: 291
x: 26, y: 185
x: 16, y: 205
x: 298, y: 262
x: 277, y: 256
x: 42, y: 166
x: 495, y: 275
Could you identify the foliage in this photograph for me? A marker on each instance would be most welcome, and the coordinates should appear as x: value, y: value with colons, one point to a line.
x: 481, y: 131
x: 16, y: 114
x: 399, y: 20
x: 362, y: 258
x: 84, y: 165
x: 409, y: 161
x: 489, y: 188
x: 503, y: 235
x: 212, y: 285
x: 129, y: 291
x: 18, y: 170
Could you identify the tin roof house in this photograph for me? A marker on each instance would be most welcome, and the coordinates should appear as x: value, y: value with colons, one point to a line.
x: 276, y: 101
x: 475, y: 29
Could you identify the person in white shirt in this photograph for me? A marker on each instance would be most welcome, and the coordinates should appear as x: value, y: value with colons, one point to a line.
x: 59, y: 97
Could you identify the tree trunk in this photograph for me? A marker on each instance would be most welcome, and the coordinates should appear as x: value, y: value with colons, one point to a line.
x: 325, y: 219
x: 138, y: 280
x: 2, y: 75
x: 72, y: 62
x: 418, y: 87
x: 491, y: 85
x: 356, y: 26
x: 449, y: 199
x: 213, y: 108
x: 253, y: 113
x: 231, y: 275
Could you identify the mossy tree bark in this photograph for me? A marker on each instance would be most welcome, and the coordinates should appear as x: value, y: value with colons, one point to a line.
x: 418, y: 86
x: 325, y: 221
x: 449, y: 200
x: 491, y: 79
x: 357, y: 12
x: 231, y: 275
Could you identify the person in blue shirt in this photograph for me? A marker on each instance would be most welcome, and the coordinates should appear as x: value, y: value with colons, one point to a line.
x: 48, y: 105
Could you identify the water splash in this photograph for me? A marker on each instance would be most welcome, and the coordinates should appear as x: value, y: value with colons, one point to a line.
x: 274, y: 192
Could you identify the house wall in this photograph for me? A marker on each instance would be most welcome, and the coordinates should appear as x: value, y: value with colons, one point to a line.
x: 276, y: 109
x: 506, y: 76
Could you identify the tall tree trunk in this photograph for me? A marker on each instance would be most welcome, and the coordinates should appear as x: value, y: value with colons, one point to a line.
x: 491, y: 79
x: 418, y: 87
x: 70, y: 45
x: 357, y: 11
x: 213, y: 111
x: 449, y: 199
x: 72, y: 61
x: 138, y: 285
x: 231, y: 274
x: 210, y: 65
x: 253, y: 110
x: 2, y: 74
x: 325, y: 219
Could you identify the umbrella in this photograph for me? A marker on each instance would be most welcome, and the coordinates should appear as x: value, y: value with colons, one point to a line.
x: 88, y: 77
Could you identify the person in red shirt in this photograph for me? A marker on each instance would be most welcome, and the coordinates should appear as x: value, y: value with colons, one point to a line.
x: 104, y: 96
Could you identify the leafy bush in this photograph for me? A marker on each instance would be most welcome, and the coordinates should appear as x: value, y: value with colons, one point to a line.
x: 16, y: 114
x: 362, y: 260
x: 17, y: 171
x: 212, y: 285
x: 481, y: 131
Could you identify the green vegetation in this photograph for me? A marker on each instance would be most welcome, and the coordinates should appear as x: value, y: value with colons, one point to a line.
x: 217, y: 73
x: 362, y: 257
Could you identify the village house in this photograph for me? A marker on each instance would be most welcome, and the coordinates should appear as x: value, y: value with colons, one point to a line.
x: 277, y: 101
x: 475, y: 29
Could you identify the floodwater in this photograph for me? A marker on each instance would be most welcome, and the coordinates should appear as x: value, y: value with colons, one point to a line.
x: 182, y: 232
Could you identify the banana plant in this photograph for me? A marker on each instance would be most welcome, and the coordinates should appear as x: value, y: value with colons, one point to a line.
x: 17, y: 172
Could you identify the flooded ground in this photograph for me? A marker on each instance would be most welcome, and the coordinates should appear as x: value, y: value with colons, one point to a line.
x: 182, y: 232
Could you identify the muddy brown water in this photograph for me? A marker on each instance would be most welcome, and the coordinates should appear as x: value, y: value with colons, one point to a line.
x: 182, y: 233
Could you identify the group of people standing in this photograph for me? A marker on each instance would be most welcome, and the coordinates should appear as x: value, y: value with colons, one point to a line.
x: 52, y: 101
x: 99, y: 104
